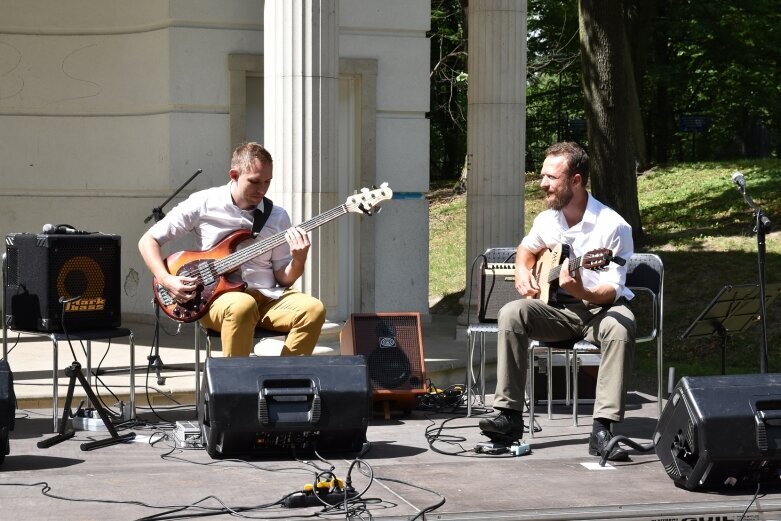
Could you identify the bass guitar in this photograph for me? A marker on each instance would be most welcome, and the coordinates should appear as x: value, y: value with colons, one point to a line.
x: 210, y: 267
x: 548, y: 266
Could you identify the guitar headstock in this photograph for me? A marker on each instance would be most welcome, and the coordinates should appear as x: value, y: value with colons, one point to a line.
x: 366, y: 200
x: 599, y: 259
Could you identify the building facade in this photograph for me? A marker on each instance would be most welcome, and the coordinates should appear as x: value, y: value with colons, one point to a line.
x: 108, y: 107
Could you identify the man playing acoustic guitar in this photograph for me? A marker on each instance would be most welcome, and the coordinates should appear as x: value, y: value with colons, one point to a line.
x: 588, y: 304
x: 268, y: 301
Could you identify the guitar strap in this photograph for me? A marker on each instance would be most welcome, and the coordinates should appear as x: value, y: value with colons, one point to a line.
x: 259, y: 218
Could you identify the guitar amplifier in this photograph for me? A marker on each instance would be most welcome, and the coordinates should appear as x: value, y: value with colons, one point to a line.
x: 497, y: 288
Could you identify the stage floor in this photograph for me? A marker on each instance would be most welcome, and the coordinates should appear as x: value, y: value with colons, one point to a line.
x: 557, y: 481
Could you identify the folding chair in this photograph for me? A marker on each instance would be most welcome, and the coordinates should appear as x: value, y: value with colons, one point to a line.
x: 645, y: 277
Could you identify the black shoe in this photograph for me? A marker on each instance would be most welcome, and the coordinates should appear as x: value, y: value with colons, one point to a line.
x: 508, y: 423
x: 599, y: 440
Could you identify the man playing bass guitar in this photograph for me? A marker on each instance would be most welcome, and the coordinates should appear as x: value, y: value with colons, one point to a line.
x: 268, y: 300
x: 585, y: 304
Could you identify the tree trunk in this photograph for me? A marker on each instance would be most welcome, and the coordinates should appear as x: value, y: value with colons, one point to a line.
x: 605, y: 85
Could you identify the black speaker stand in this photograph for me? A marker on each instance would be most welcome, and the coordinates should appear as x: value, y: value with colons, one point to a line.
x: 74, y: 372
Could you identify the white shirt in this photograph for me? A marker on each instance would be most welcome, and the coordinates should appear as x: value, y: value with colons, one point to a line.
x: 211, y: 215
x: 601, y: 227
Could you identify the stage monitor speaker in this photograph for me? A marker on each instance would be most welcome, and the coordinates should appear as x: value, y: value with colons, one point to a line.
x: 7, y: 407
x: 718, y: 431
x: 392, y: 344
x: 268, y: 405
x: 56, y: 279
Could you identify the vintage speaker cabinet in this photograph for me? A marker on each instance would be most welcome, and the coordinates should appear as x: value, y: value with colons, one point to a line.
x: 392, y: 344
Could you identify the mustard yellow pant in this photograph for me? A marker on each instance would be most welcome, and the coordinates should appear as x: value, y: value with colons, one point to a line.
x: 236, y: 314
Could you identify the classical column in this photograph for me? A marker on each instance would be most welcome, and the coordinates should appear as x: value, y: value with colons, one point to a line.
x: 301, y: 68
x: 495, y: 129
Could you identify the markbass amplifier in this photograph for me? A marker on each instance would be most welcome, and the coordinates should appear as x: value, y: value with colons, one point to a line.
x: 721, y: 431
x: 56, y: 280
x: 261, y: 406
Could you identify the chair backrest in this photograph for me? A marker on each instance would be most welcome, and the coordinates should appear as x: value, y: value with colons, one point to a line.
x: 645, y: 270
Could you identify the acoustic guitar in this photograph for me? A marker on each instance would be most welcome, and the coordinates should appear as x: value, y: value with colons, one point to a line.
x: 210, y: 267
x: 549, y: 263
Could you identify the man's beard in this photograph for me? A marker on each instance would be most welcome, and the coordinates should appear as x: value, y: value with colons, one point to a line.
x: 560, y: 200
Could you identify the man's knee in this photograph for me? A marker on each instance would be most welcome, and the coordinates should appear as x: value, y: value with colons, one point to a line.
x: 616, y: 326
x: 241, y: 307
x: 511, y: 315
x: 316, y: 312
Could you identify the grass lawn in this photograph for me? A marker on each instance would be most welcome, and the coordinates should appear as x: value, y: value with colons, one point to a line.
x: 696, y: 221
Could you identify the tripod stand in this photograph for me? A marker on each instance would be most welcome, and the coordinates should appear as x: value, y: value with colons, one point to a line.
x: 157, y: 214
x: 74, y: 373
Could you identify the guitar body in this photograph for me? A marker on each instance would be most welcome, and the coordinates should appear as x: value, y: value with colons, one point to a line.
x: 214, y: 285
x: 550, y: 263
x: 549, y: 260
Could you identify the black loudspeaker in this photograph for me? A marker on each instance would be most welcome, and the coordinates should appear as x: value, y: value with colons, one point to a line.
x: 392, y: 344
x: 51, y: 279
x: 7, y: 407
x: 718, y: 431
x: 261, y: 406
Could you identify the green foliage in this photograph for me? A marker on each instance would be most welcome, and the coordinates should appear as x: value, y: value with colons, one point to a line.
x: 718, y: 59
x: 448, y: 89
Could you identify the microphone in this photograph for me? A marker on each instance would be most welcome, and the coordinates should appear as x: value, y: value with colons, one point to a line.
x: 63, y: 228
x: 739, y: 180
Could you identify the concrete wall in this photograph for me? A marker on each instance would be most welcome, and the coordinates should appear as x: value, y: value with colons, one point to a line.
x: 107, y: 107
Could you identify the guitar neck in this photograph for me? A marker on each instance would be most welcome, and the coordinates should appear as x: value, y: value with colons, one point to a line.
x: 236, y: 259
x: 573, y: 265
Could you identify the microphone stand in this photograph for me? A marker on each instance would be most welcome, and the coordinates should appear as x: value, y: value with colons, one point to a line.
x: 157, y: 214
x: 761, y: 227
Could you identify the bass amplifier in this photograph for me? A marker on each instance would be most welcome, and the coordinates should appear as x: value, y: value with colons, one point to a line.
x: 56, y: 281
x: 497, y: 288
x: 261, y: 406
x: 718, y: 431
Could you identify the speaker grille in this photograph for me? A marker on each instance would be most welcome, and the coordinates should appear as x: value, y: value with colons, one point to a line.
x: 83, y: 271
x: 391, y: 344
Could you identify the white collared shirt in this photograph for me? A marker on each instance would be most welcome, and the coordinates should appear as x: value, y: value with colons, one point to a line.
x: 211, y: 215
x: 601, y: 227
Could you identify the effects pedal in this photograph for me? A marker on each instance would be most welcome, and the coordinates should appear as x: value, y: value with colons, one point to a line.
x: 187, y: 435
x: 490, y: 447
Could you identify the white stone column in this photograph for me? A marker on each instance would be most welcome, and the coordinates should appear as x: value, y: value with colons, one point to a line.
x: 301, y: 68
x: 496, y: 130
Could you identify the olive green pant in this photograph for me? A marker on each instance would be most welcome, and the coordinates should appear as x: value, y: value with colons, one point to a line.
x: 612, y: 328
x: 236, y: 314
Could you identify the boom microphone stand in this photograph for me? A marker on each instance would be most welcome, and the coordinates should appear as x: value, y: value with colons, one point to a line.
x: 761, y: 227
x: 157, y: 214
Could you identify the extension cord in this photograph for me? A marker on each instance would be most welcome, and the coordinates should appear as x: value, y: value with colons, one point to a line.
x: 306, y: 500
